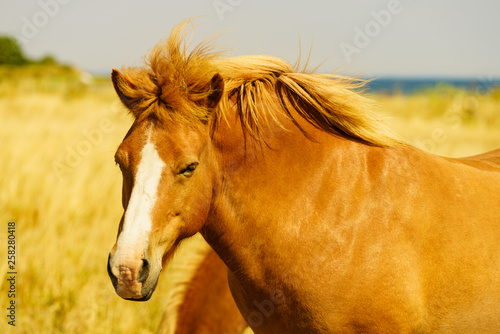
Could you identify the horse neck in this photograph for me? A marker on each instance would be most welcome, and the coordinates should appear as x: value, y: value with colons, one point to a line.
x: 258, y: 181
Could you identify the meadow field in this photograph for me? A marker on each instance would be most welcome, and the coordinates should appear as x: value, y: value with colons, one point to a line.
x: 60, y: 186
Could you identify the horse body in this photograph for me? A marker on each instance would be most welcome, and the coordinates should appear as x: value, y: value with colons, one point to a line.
x: 327, y: 222
x: 370, y: 239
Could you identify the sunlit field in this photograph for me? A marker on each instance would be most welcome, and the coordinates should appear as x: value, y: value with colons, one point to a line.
x: 59, y: 184
x: 444, y: 120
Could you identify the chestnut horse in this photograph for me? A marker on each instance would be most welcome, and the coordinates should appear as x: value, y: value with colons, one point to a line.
x: 327, y: 222
x: 200, y: 291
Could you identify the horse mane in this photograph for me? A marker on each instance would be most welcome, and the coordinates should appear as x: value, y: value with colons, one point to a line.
x: 177, y: 83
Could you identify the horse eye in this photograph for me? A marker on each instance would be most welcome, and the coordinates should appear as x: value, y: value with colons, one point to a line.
x: 189, y: 170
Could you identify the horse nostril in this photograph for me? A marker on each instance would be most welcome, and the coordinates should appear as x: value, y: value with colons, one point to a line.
x: 143, y: 271
x: 113, y: 278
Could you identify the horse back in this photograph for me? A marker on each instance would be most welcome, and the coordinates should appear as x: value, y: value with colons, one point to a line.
x: 492, y: 156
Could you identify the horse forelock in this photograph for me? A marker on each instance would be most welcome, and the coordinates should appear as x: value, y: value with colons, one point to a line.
x: 175, y: 84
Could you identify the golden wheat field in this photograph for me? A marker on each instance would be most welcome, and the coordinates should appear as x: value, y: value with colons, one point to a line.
x: 60, y: 186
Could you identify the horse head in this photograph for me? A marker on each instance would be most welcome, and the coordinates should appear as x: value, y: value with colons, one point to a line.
x: 168, y: 169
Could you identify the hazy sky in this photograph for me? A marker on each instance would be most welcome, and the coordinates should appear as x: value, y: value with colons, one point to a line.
x: 377, y: 37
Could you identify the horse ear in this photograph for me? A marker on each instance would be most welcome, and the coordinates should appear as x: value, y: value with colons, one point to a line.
x: 216, y: 91
x: 123, y: 88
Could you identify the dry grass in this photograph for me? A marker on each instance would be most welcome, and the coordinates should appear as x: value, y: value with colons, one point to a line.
x: 446, y: 121
x: 67, y: 205
x: 66, y: 211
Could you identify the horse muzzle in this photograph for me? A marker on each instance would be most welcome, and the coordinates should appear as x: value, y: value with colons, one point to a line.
x: 132, y: 280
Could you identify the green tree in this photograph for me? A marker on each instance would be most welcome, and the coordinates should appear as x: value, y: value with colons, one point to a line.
x: 11, y: 52
x: 48, y: 60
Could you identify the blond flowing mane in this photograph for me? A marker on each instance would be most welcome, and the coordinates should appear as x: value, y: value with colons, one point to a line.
x: 177, y: 84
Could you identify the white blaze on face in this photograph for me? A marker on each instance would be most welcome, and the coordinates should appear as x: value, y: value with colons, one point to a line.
x: 137, y: 221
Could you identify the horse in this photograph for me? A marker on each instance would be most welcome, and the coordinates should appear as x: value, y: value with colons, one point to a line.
x: 327, y: 221
x: 200, y: 290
